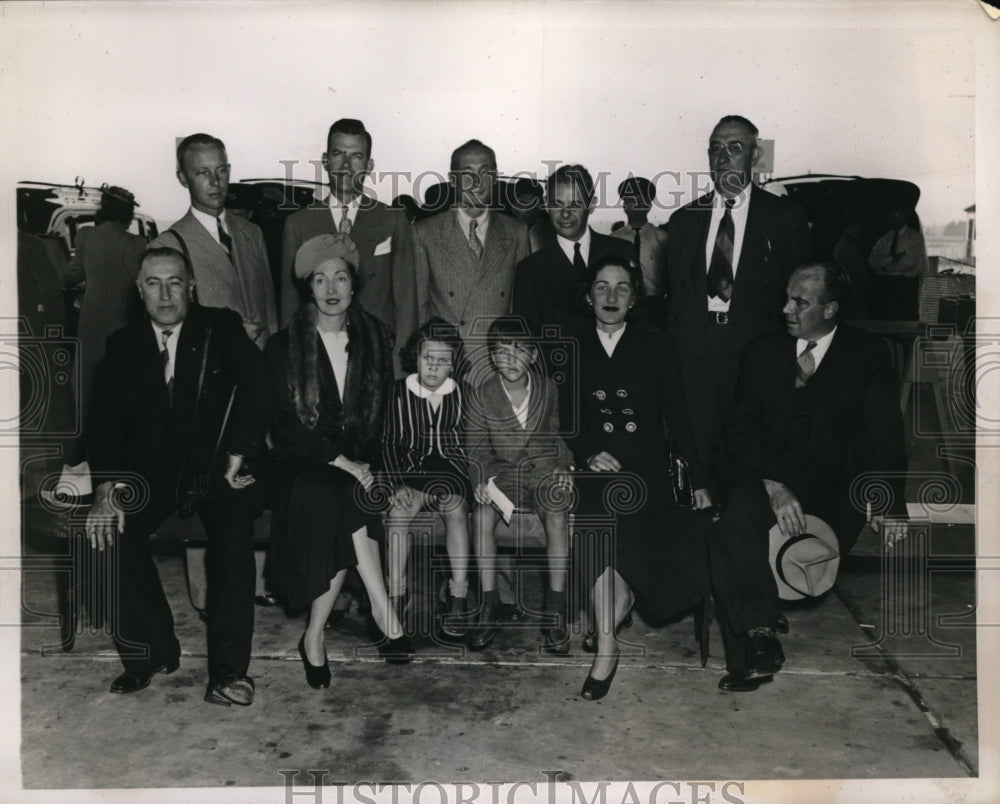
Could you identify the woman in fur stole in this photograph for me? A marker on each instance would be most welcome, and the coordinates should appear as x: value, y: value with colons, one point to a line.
x: 331, y: 373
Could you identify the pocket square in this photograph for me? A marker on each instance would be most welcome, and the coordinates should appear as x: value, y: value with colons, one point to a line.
x: 385, y: 247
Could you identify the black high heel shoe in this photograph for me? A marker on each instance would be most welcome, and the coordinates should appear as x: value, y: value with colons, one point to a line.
x: 396, y: 651
x: 594, y: 690
x: 317, y: 676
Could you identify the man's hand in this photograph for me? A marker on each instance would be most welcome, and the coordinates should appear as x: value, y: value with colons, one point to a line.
x: 403, y: 497
x: 233, y: 476
x: 702, y: 499
x: 603, y: 462
x: 563, y: 480
x: 892, y: 531
x: 480, y: 494
x: 104, y: 517
x: 788, y: 512
x: 361, y: 471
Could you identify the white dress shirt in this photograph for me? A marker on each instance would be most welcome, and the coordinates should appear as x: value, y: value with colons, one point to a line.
x: 175, y: 334
x: 819, y: 350
x: 568, y: 246
x: 482, y: 223
x: 337, y: 209
x: 209, y: 222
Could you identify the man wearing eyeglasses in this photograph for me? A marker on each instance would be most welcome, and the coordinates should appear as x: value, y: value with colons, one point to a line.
x: 466, y: 256
x: 729, y: 255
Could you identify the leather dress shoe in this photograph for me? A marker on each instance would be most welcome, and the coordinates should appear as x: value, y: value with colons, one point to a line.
x: 134, y: 680
x: 557, y: 634
x: 266, y: 600
x: 396, y: 651
x: 232, y: 688
x: 454, y: 621
x: 481, y: 636
x: 764, y: 654
x: 781, y: 624
x: 738, y: 682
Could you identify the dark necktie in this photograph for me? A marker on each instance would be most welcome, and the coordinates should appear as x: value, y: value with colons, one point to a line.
x: 637, y: 243
x: 578, y: 263
x: 345, y: 223
x: 805, y: 365
x: 168, y: 370
x: 474, y: 242
x: 720, y: 270
x: 225, y: 240
x: 894, y: 248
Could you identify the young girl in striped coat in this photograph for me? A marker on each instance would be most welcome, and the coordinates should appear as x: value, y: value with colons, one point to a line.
x: 427, y: 465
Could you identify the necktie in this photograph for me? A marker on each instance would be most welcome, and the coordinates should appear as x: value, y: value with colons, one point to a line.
x: 345, y: 223
x: 224, y: 239
x: 720, y: 271
x: 805, y: 365
x: 894, y: 248
x: 578, y: 263
x: 168, y: 369
x: 474, y: 242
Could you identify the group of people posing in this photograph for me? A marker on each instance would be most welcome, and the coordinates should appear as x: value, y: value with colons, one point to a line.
x: 445, y: 366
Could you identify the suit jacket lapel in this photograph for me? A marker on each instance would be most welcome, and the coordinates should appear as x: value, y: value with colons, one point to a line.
x: 495, y: 247
x: 755, y: 245
x: 699, y: 268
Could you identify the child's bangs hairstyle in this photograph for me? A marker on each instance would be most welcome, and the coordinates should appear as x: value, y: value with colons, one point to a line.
x: 436, y: 329
x: 512, y: 329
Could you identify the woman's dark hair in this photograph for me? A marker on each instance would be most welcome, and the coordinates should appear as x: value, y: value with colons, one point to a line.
x: 436, y: 329
x: 304, y: 284
x: 631, y: 267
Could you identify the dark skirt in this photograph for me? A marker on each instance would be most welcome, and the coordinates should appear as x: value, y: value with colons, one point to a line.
x: 438, y: 477
x: 630, y: 522
x: 316, y: 510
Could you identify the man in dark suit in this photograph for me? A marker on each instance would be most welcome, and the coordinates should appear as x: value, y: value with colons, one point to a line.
x: 151, y: 432
x: 729, y: 256
x: 382, y: 235
x: 815, y: 407
x: 548, y: 284
x: 226, y: 250
x: 466, y: 255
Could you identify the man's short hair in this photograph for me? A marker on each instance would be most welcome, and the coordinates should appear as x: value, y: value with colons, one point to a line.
x: 638, y: 188
x: 836, y: 280
x: 353, y: 128
x: 741, y: 120
x: 576, y: 175
x: 473, y: 145
x: 172, y: 253
x: 509, y: 329
x: 194, y: 140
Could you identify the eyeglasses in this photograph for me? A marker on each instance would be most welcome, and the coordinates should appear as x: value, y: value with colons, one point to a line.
x: 734, y: 148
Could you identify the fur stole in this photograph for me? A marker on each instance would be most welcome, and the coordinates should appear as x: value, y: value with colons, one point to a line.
x: 369, y: 375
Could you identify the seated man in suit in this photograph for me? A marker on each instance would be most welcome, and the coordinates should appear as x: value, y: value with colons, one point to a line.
x: 466, y: 255
x: 382, y: 234
x: 815, y: 407
x: 548, y: 286
x: 227, y: 251
x: 160, y: 409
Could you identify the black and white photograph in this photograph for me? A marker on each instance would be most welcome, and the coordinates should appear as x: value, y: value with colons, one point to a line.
x: 494, y: 402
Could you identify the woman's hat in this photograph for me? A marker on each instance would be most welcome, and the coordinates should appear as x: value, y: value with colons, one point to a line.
x: 119, y: 194
x: 318, y: 250
x: 804, y: 565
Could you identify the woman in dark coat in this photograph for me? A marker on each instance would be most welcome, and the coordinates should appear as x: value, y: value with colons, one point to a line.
x: 331, y: 371
x: 630, y: 397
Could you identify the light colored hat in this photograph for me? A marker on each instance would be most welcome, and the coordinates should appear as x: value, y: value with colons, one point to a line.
x: 317, y: 250
x: 73, y: 487
x: 805, y: 565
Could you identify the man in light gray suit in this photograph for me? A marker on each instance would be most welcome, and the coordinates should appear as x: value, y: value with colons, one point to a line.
x: 466, y: 255
x: 227, y: 251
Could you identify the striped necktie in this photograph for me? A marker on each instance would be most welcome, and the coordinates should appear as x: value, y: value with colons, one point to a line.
x: 344, y: 227
x: 474, y: 242
x: 224, y: 239
x: 720, y: 271
x: 805, y: 365
x: 168, y: 369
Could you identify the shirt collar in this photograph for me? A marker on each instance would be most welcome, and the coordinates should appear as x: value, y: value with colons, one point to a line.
x: 159, y: 330
x: 335, y: 203
x: 822, y: 344
x: 568, y: 245
x: 209, y: 221
x: 742, y: 201
x: 464, y: 219
x: 414, y: 387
